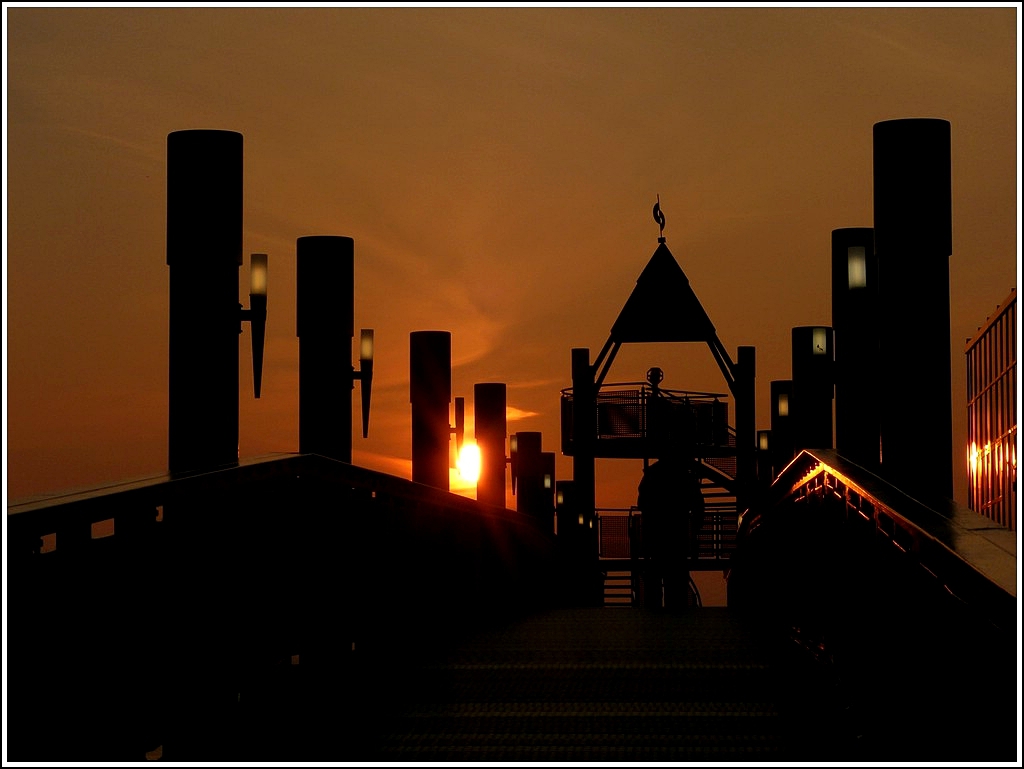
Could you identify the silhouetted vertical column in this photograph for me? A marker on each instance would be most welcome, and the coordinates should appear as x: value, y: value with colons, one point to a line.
x: 566, y: 512
x: 584, y: 432
x: 855, y: 326
x: 746, y: 424
x: 324, y: 314
x: 812, y: 387
x: 913, y: 241
x: 547, y: 469
x: 764, y: 458
x: 430, y: 392
x: 489, y: 427
x: 530, y: 472
x: 781, y: 424
x: 204, y: 252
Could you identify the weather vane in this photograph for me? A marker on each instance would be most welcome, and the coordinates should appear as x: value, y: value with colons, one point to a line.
x: 659, y: 217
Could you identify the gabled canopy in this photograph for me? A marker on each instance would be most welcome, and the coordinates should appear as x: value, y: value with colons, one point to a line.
x: 663, y: 307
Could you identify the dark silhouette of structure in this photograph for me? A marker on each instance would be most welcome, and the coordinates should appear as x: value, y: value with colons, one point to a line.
x: 490, y: 425
x: 652, y: 422
x: 430, y: 392
x: 913, y: 243
x: 856, y: 329
x: 204, y: 252
x: 325, y: 326
x: 298, y: 607
x: 813, y: 376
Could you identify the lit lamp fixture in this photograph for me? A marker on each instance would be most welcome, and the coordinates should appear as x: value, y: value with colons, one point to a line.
x: 763, y: 439
x: 365, y: 373
x: 459, y: 430
x: 257, y: 316
x: 513, y: 457
x: 819, y: 341
x: 782, y: 405
x: 856, y: 267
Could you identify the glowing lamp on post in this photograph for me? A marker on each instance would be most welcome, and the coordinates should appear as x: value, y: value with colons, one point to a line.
x: 257, y: 316
x: 856, y: 267
x: 819, y: 341
x: 513, y: 459
x: 365, y: 374
x: 763, y: 439
x: 782, y: 405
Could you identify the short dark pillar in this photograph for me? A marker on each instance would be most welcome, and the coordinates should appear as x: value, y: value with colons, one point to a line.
x: 489, y: 427
x: 913, y: 241
x: 746, y: 424
x: 813, y: 387
x: 584, y: 432
x: 529, y: 473
x: 430, y: 392
x: 204, y: 252
x: 324, y: 301
x: 855, y: 325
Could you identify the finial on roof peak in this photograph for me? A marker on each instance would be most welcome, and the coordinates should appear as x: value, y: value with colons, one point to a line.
x: 659, y: 217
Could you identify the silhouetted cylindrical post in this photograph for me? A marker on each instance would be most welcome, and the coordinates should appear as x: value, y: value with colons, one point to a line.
x: 584, y: 432
x: 547, y: 507
x: 764, y: 457
x: 746, y: 425
x: 781, y: 446
x: 813, y: 387
x: 204, y: 252
x: 430, y: 392
x: 855, y: 325
x: 913, y: 241
x: 324, y: 314
x: 489, y: 426
x: 530, y: 483
x: 568, y: 518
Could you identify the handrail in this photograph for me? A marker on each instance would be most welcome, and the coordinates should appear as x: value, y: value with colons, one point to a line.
x: 973, y: 557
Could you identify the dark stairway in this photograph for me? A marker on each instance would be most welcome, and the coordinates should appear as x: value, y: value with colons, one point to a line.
x: 608, y: 685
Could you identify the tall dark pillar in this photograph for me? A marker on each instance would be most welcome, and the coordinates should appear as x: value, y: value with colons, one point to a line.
x: 489, y: 426
x: 746, y: 424
x: 913, y: 241
x: 204, y: 252
x: 781, y: 445
x: 584, y: 433
x: 430, y: 392
x: 813, y: 387
x: 855, y: 325
x: 324, y: 302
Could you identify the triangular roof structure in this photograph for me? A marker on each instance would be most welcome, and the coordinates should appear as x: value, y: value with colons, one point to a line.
x: 663, y: 307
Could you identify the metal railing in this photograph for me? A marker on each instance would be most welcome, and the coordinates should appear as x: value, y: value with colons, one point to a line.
x: 632, y: 416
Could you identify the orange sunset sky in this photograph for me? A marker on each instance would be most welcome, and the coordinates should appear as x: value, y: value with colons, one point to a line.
x: 496, y: 169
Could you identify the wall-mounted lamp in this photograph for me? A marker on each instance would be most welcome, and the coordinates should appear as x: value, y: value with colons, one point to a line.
x: 782, y: 405
x: 763, y: 438
x: 257, y: 316
x: 459, y: 430
x: 365, y: 374
x: 513, y: 459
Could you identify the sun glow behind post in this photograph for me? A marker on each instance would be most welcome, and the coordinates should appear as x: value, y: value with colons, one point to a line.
x: 469, y: 463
